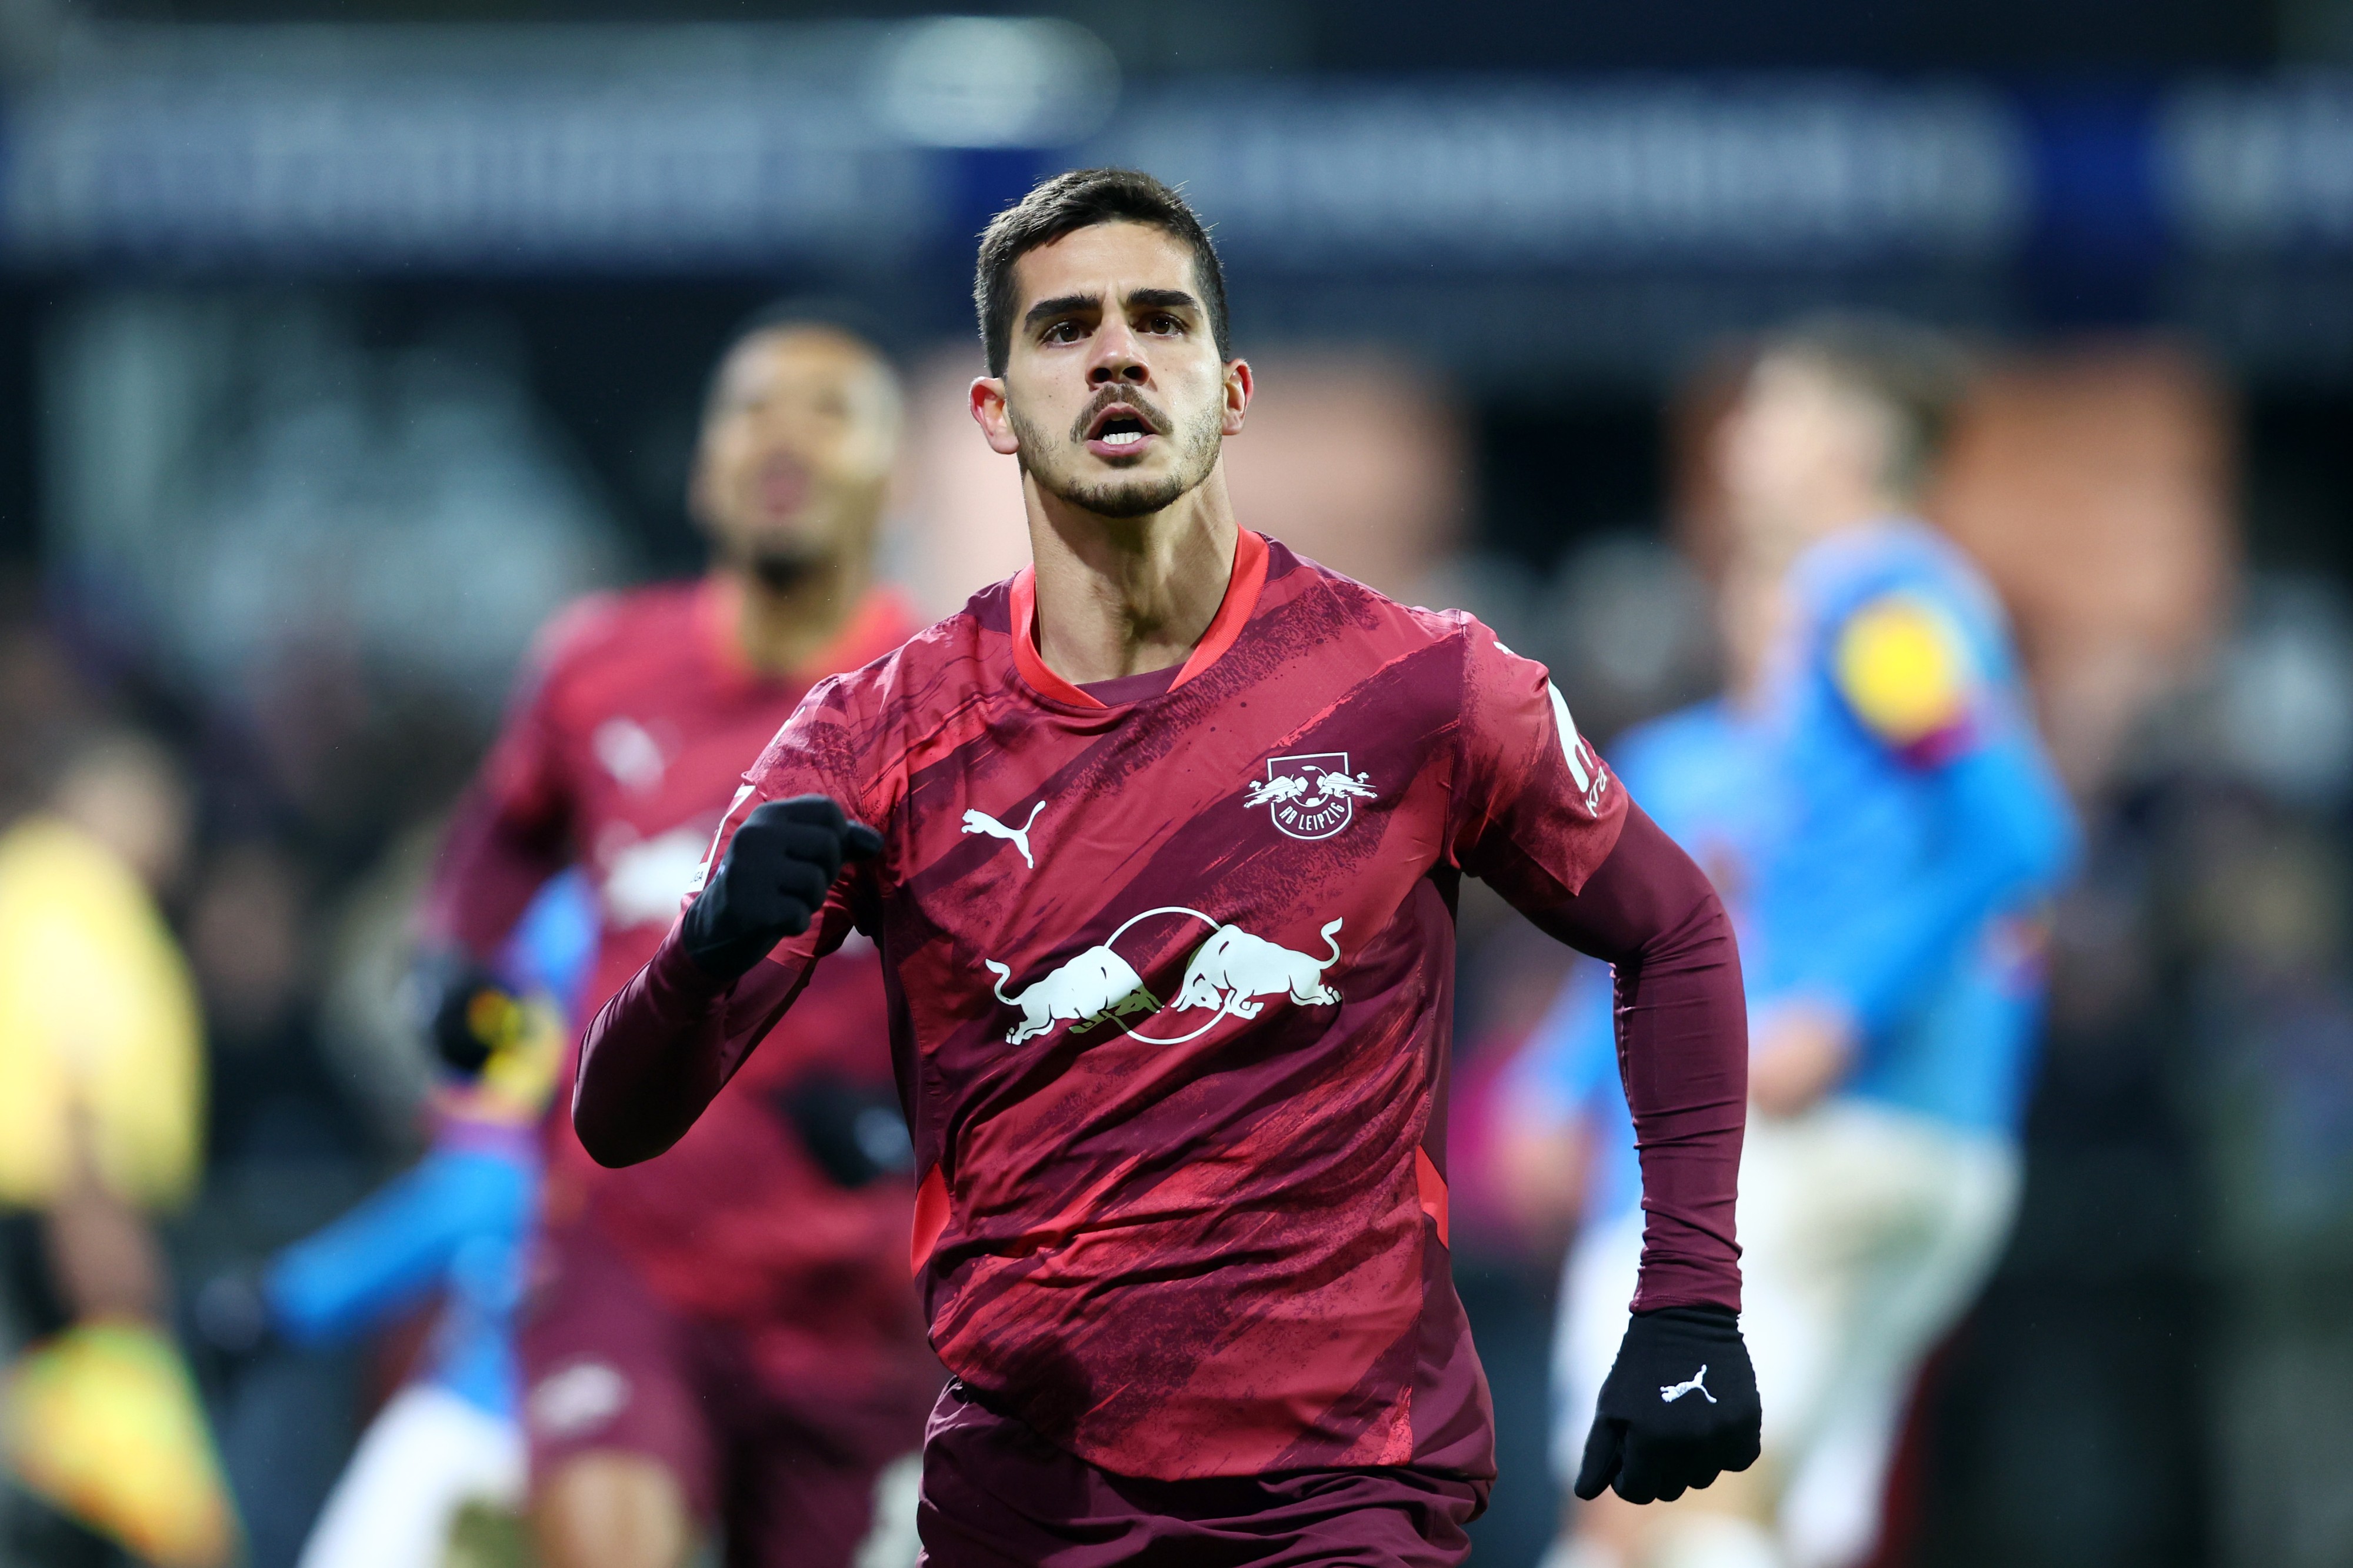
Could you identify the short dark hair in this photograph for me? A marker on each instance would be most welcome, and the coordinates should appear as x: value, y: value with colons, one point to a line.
x: 1919, y: 375
x: 817, y: 313
x: 1066, y: 204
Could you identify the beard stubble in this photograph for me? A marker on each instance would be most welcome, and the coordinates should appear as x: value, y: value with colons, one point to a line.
x: 1121, y: 496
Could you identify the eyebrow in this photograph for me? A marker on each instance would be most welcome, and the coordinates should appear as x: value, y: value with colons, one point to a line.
x: 1060, y: 305
x: 1166, y: 299
x: 1067, y: 304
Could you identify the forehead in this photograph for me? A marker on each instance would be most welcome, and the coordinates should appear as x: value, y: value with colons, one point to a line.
x: 1803, y: 379
x: 803, y: 356
x: 1104, y: 258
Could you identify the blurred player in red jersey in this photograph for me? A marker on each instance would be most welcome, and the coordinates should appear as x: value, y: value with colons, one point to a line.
x: 724, y: 1338
x: 1167, y: 834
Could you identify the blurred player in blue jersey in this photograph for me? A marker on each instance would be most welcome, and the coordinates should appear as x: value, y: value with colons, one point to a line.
x: 1892, y: 831
x: 455, y: 1226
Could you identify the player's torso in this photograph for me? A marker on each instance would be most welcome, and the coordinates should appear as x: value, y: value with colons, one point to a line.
x: 738, y: 1220
x: 1856, y: 806
x: 1171, y: 989
x: 1163, y: 919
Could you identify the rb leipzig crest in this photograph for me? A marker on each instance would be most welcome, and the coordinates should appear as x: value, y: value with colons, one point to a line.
x: 1310, y: 796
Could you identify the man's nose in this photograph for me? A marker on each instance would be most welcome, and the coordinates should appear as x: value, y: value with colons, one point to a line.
x: 1118, y: 358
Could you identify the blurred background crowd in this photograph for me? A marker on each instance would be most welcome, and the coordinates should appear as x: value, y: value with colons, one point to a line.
x: 342, y: 343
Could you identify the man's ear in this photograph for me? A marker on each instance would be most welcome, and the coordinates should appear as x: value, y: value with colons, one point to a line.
x: 996, y: 422
x: 1240, y: 385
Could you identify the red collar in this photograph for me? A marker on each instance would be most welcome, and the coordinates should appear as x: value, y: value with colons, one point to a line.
x: 1233, y: 611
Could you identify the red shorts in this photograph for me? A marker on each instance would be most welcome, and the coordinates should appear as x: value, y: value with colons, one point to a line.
x: 607, y: 1366
x: 996, y: 1495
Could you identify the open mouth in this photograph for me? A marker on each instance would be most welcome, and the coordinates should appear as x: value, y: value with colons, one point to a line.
x: 1119, y: 428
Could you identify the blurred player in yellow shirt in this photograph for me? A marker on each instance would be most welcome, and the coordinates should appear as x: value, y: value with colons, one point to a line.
x: 102, y: 1091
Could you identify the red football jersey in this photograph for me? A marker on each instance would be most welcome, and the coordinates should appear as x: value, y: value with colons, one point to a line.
x: 620, y: 755
x: 1172, y: 986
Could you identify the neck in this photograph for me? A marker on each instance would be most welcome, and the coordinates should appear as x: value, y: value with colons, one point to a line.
x: 1857, y: 508
x: 780, y: 630
x: 1782, y: 536
x: 1123, y: 596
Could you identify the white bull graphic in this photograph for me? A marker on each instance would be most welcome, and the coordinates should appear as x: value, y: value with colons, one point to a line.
x: 1094, y: 987
x: 1233, y: 967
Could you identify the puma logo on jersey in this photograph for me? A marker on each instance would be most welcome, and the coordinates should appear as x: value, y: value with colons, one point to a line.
x: 1671, y: 1392
x: 981, y: 822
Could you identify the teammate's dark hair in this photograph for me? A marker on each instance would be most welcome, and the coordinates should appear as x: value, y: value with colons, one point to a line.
x: 1919, y: 375
x: 1066, y: 204
x: 796, y: 313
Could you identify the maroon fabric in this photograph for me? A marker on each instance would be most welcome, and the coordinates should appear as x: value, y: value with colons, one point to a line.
x: 1683, y: 1031
x: 622, y: 753
x: 786, y: 1472
x: 1172, y: 995
x: 996, y: 1495
x: 1127, y: 688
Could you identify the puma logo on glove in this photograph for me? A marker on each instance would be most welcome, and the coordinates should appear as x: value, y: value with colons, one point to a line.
x: 1651, y: 1449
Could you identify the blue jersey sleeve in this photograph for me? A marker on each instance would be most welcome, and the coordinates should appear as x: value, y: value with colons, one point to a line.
x: 392, y: 1250
x: 1944, y: 712
x: 2010, y: 834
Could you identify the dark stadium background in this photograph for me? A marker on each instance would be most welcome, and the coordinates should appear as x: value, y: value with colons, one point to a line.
x: 2162, y: 1372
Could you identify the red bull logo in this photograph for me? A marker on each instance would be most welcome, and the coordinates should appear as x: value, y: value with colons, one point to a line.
x: 1095, y: 987
x: 1233, y: 973
x: 1233, y: 968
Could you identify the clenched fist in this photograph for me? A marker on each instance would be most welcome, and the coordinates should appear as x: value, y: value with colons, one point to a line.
x: 774, y: 879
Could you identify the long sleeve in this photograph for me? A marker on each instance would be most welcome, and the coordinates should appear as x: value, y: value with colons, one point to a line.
x: 1543, y: 821
x: 511, y: 830
x: 1683, y: 1053
x: 394, y: 1248
x: 667, y: 1042
x: 1885, y: 898
x: 2005, y: 830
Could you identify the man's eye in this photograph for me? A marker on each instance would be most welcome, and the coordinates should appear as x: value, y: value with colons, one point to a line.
x: 1168, y: 324
x: 1063, y: 333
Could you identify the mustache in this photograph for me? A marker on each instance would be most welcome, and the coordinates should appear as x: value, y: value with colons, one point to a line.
x: 1127, y: 397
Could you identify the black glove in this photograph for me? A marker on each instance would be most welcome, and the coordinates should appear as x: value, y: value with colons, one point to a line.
x: 774, y: 880
x: 1679, y: 1409
x: 465, y: 1010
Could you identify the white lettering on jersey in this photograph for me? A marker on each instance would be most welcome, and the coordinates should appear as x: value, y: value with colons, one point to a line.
x: 981, y: 822
x: 644, y: 881
x: 1312, y: 795
x: 629, y: 753
x: 1591, y: 782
